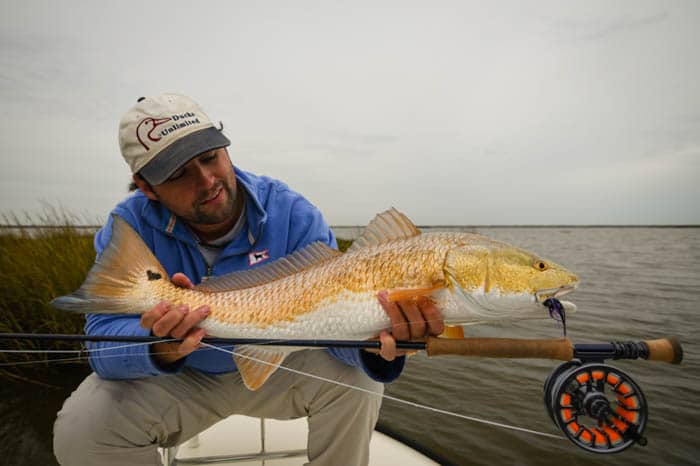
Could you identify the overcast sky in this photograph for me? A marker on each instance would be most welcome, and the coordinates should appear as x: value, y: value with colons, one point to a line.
x: 541, y: 112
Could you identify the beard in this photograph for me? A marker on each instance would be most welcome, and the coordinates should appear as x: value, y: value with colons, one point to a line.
x: 202, y: 214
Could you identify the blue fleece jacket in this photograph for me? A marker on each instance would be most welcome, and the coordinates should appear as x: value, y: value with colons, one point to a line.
x: 278, y: 222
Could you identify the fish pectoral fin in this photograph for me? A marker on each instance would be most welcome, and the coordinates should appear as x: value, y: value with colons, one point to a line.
x: 407, y: 294
x: 453, y: 331
x: 257, y: 364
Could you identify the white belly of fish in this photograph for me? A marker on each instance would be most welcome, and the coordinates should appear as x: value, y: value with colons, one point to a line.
x: 350, y: 316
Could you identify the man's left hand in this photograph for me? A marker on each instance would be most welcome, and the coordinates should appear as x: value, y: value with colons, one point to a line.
x: 410, y: 319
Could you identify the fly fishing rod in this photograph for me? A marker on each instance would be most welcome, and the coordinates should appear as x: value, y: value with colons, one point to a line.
x: 597, y: 406
x: 665, y: 349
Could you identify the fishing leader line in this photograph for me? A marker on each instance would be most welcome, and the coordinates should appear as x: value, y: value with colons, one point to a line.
x: 91, y: 353
x: 389, y: 397
x: 80, y: 352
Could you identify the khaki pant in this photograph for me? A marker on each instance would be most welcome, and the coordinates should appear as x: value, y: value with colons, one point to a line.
x: 108, y: 422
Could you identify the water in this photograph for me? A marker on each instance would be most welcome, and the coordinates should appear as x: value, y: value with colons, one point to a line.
x: 636, y: 284
x: 28, y: 410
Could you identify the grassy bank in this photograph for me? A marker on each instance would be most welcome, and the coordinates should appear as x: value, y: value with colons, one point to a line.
x: 36, y: 265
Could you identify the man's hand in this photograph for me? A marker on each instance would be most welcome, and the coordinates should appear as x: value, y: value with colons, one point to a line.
x: 166, y: 319
x: 410, y: 319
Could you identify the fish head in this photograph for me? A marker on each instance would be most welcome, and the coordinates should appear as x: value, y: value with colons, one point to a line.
x: 505, y: 280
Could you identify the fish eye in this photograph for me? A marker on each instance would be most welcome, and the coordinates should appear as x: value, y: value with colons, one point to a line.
x: 540, y: 265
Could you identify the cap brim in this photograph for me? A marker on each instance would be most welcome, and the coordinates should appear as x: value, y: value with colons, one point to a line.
x: 180, y: 152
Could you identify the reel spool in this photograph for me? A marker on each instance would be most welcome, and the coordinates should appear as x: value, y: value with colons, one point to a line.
x: 597, y: 406
x: 554, y: 377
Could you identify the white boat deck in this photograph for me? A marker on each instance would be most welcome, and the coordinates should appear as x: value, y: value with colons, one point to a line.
x: 242, y: 436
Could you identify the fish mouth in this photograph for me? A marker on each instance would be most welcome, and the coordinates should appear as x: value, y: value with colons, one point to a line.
x: 543, y: 295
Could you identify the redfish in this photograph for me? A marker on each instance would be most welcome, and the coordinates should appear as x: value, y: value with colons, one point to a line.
x: 320, y: 293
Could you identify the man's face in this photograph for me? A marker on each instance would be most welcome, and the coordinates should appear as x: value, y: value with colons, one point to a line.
x: 201, y: 192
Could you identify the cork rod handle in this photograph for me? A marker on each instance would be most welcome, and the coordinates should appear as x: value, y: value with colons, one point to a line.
x: 665, y: 350
x: 561, y: 349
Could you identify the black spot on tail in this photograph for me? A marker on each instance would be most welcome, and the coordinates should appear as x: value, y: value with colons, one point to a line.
x: 153, y: 275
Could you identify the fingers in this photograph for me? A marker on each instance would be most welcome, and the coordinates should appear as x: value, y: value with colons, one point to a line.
x: 149, y: 318
x: 388, y: 348
x: 170, y: 352
x: 181, y: 280
x: 169, y: 320
x: 189, y: 321
x: 179, y: 322
x: 399, y: 324
x: 432, y: 316
x: 166, y: 319
x: 416, y: 322
x: 191, y: 342
x: 412, y: 318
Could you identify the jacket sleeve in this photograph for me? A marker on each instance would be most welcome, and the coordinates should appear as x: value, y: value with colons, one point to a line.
x: 112, y: 360
x: 307, y: 226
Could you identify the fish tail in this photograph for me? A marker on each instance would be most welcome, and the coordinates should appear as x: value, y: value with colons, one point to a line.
x: 122, y: 280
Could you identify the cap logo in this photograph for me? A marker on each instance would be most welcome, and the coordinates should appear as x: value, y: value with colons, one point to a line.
x: 147, y: 127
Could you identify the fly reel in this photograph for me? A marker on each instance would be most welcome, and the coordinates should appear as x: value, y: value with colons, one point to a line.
x: 597, y: 406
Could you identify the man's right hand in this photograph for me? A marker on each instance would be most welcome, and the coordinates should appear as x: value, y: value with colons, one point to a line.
x: 168, y: 320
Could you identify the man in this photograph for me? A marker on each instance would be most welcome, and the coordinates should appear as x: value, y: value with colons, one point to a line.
x: 202, y: 217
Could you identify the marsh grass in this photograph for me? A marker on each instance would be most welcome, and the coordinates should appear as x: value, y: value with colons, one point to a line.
x: 37, y: 265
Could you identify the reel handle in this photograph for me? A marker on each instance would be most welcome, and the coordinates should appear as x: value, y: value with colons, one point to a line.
x: 561, y: 349
x: 665, y: 350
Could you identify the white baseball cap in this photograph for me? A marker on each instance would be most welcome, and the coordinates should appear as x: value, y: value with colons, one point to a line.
x: 160, y: 134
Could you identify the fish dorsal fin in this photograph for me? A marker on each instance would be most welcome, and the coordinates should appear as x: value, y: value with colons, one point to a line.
x: 309, y: 256
x: 387, y: 226
x: 257, y: 364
